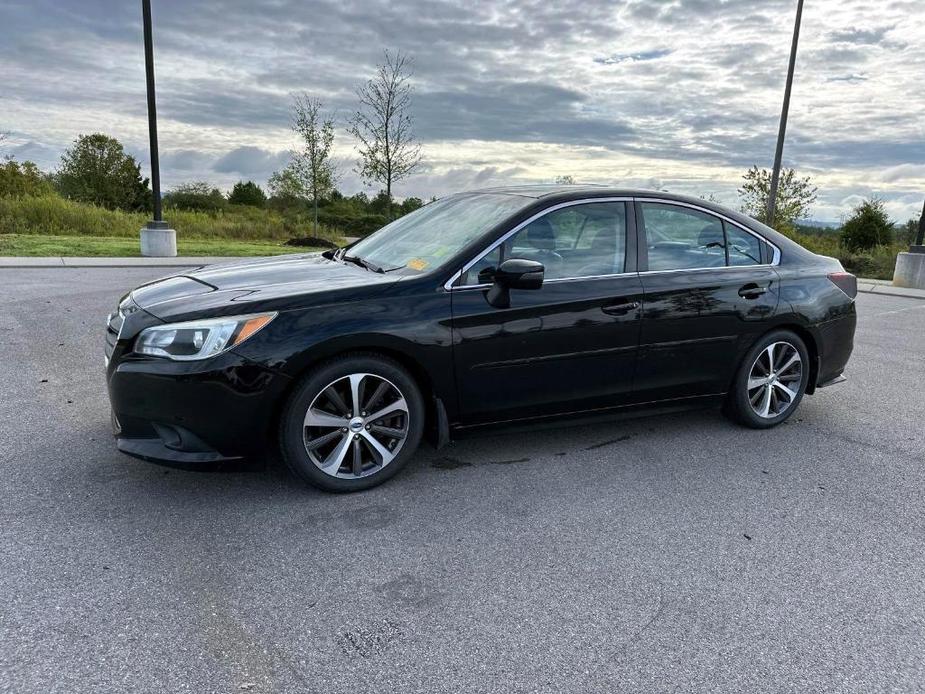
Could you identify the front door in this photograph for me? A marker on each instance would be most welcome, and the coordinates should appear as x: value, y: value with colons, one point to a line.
x: 568, y: 346
x: 709, y: 291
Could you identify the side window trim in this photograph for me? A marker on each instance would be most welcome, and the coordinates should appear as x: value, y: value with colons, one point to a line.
x: 631, y: 235
x: 642, y: 245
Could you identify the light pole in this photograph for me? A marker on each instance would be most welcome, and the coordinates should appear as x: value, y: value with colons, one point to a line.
x: 157, y: 238
x: 778, y: 155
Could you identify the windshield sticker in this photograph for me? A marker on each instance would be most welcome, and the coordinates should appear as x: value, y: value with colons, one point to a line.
x: 417, y: 264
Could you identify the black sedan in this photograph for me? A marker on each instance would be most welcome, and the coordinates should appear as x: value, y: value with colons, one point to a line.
x: 499, y: 306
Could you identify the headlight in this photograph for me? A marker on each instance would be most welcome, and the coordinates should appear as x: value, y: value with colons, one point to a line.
x: 199, y: 339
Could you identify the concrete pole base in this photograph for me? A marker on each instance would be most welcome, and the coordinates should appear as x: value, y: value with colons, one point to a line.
x: 910, y: 271
x: 158, y: 241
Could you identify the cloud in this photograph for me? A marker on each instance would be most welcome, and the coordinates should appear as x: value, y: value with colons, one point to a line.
x: 685, y: 93
x: 860, y: 36
x: 251, y: 162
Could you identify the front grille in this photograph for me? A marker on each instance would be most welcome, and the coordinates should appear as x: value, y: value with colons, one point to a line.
x: 113, y: 327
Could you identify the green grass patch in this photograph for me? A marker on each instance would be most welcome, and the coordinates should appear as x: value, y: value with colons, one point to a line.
x: 56, y: 216
x: 114, y: 246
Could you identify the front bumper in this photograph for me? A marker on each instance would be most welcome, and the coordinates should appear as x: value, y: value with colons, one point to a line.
x: 193, y: 412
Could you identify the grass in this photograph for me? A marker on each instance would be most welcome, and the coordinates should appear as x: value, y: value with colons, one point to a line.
x: 109, y: 246
x: 877, y: 263
x: 56, y: 216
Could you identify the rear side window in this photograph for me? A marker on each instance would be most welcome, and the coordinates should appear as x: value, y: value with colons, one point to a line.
x: 744, y: 249
x: 680, y: 238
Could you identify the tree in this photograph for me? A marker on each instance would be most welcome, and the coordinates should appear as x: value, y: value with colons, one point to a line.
x: 868, y: 226
x: 794, y: 196
x: 565, y: 180
x: 381, y: 204
x: 312, y: 164
x: 383, y: 124
x: 286, y: 184
x: 410, y: 205
x: 248, y: 193
x: 196, y: 195
x: 18, y: 180
x: 286, y: 190
x: 97, y: 170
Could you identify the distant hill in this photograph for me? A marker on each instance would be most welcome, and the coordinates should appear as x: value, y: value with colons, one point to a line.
x: 817, y: 223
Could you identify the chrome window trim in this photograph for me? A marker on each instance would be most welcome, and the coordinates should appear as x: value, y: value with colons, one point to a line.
x: 775, y: 260
x: 554, y: 280
x: 448, y: 285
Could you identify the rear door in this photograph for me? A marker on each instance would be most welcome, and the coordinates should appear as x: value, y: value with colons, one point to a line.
x: 709, y: 290
x: 568, y: 346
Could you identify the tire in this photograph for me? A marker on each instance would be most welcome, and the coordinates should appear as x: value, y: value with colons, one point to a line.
x: 339, y: 446
x: 759, y: 396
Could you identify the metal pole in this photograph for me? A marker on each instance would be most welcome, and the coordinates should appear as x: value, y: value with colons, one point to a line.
x: 920, y: 237
x: 152, y: 110
x: 778, y: 155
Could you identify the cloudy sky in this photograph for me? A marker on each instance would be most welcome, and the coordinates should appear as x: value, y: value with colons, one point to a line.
x: 681, y: 95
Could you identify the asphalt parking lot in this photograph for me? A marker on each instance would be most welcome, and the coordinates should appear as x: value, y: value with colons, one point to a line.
x: 671, y: 553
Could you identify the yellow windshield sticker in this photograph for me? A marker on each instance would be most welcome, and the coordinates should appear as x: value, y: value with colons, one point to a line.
x: 417, y: 264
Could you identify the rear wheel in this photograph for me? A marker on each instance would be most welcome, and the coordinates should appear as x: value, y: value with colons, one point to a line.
x: 771, y: 381
x: 352, y: 423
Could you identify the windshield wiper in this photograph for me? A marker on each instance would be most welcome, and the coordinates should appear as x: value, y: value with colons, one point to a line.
x: 362, y: 262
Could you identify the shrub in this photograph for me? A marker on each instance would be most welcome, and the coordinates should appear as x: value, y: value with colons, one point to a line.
x: 25, y: 179
x: 867, y: 227
x: 360, y: 225
x: 876, y: 263
x: 196, y: 195
x: 247, y: 194
x: 97, y: 170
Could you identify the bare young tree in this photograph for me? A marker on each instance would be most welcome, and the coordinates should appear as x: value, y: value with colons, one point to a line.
x: 383, y: 124
x: 312, y: 164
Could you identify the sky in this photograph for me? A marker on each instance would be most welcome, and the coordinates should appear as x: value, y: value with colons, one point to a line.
x: 677, y: 95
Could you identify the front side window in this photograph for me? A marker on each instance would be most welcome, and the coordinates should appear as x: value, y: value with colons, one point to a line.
x: 428, y: 237
x: 572, y: 242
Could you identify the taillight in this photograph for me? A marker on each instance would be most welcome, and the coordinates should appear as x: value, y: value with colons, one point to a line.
x: 845, y: 281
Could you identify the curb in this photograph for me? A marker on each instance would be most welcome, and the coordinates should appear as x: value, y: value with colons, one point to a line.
x: 57, y: 261
x: 885, y: 288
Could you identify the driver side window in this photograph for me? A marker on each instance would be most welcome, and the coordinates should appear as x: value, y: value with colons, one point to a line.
x: 577, y: 241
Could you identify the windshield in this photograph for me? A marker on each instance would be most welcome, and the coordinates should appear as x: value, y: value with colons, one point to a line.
x: 427, y: 237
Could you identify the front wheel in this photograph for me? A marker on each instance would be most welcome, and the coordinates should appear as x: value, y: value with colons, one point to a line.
x: 771, y: 381
x: 352, y: 423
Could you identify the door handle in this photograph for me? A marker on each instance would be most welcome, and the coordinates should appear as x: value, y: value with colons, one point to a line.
x: 621, y: 308
x: 752, y: 291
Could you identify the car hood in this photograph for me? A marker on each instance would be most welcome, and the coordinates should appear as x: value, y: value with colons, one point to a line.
x: 276, y: 283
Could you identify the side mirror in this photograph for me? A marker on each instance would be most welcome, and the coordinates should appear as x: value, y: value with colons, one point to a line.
x: 515, y: 273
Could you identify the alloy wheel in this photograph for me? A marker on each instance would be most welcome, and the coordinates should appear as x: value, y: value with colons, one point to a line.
x: 356, y: 426
x: 775, y: 379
